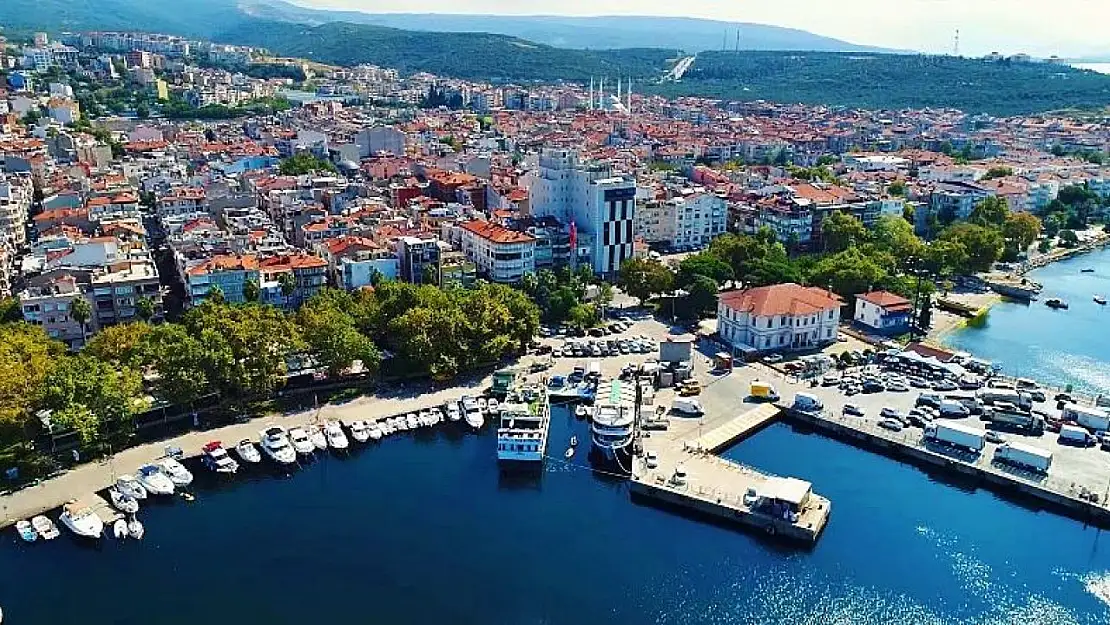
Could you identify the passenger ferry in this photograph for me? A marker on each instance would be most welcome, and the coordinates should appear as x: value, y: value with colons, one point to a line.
x: 613, y: 426
x: 524, y: 421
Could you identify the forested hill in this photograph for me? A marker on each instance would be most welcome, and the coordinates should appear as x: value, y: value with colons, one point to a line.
x: 890, y: 81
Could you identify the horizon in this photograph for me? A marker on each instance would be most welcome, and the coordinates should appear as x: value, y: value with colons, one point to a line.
x: 1070, y: 30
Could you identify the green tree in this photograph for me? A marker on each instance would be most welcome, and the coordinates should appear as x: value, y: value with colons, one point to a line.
x: 332, y: 336
x: 897, y: 188
x: 93, y: 397
x: 990, y: 212
x: 144, y: 307
x: 27, y: 356
x: 895, y: 235
x: 848, y: 272
x: 10, y: 310
x: 1068, y: 238
x: 641, y: 278
x: 126, y: 344
x: 604, y: 295
x: 1021, y: 230
x: 840, y: 231
x: 304, y: 163
x: 984, y: 245
x: 583, y: 316
x: 702, y: 295
x: 215, y: 295
x: 946, y: 256
x: 80, y: 311
x: 703, y: 264
x: 182, y: 364
x: 288, y: 283
x: 998, y: 172
x: 251, y: 290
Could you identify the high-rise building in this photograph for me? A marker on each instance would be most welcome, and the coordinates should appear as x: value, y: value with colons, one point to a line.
x: 592, y: 201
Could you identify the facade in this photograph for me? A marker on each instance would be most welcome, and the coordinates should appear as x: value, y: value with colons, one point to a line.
x: 227, y: 272
x: 116, y: 290
x: 500, y: 254
x: 310, y: 275
x: 419, y: 257
x: 685, y: 222
x: 48, y: 302
x: 588, y: 196
x: 380, y: 139
x: 354, y: 261
x: 778, y: 318
x: 883, y: 312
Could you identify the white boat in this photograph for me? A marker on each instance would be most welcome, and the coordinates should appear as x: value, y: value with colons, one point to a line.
x: 128, y: 485
x: 482, y: 404
x: 453, y: 413
x: 400, y: 424
x: 336, y: 439
x: 124, y: 503
x: 383, y: 426
x: 612, y: 430
x: 360, y: 431
x: 26, y: 531
x: 119, y: 528
x: 275, y: 444
x: 491, y: 407
x: 178, y: 474
x: 474, y: 419
x: 412, y: 421
x: 82, y: 521
x: 318, y: 437
x: 426, y: 418
x: 375, y: 431
x: 301, y: 441
x: 247, y: 452
x: 217, y: 459
x: 154, y: 481
x: 524, y: 420
x: 136, y: 529
x: 45, y: 528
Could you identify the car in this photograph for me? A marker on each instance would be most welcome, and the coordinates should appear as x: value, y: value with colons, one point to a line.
x: 993, y: 437
x: 945, y: 385
x: 546, y: 332
x: 830, y: 379
x: 854, y: 410
x: 693, y: 387
x: 897, y: 386
x: 625, y: 319
x: 1064, y: 397
x: 891, y: 424
x: 615, y: 328
x: 597, y: 332
x: 919, y: 382
x: 891, y: 413
x: 871, y: 386
x: 544, y: 349
x: 852, y: 389
x: 1036, y: 395
x: 928, y: 399
x: 772, y: 358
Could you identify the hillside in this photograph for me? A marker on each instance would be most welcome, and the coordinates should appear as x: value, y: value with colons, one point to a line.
x: 190, y: 18
x: 888, y: 81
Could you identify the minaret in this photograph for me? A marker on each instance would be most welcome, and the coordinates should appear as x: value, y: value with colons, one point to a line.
x: 601, y: 95
x: 628, y: 107
x: 590, y: 102
x: 618, y: 89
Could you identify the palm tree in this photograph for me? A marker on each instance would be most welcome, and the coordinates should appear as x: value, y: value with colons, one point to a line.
x: 81, y: 312
x: 288, y: 285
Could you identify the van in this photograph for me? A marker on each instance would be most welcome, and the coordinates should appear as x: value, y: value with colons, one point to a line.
x: 951, y: 409
x: 807, y: 403
x: 688, y: 406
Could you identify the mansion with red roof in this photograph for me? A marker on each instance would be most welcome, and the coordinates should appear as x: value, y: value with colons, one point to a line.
x: 778, y: 318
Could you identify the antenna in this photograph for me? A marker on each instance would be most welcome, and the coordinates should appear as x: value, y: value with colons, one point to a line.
x: 956, y: 44
x: 724, y: 41
x: 738, y: 40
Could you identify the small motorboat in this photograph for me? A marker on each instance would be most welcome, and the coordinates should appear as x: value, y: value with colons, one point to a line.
x: 247, y: 452
x: 217, y: 459
x: 573, y: 441
x: 83, y: 521
x: 359, y: 431
x: 318, y: 437
x: 336, y: 439
x: 136, y: 529
x: 1057, y: 303
x: 482, y: 404
x: 178, y: 474
x: 1100, y: 300
x: 412, y: 421
x: 130, y: 486
x: 425, y: 418
x: 453, y: 413
x: 154, y: 480
x: 45, y: 528
x: 581, y: 411
x: 375, y: 431
x: 1087, y: 270
x: 122, y: 502
x: 399, y: 424
x: 119, y: 529
x: 491, y: 406
x: 26, y: 531
x: 275, y: 443
x: 301, y: 441
x: 569, y: 453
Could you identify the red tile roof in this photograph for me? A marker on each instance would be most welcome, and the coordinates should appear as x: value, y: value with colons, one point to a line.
x: 781, y: 299
x: 496, y: 233
x: 886, y: 300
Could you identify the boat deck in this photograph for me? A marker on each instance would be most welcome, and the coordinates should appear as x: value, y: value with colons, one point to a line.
x: 101, y: 507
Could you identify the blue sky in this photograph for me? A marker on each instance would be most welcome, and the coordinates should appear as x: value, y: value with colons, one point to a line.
x: 1038, y: 27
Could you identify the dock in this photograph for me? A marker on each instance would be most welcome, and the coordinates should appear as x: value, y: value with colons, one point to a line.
x: 686, y: 475
x: 101, y: 507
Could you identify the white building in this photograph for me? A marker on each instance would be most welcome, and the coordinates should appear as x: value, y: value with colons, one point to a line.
x: 778, y: 318
x: 380, y: 139
x: 688, y: 221
x: 500, y: 254
x: 883, y: 312
x: 591, y: 198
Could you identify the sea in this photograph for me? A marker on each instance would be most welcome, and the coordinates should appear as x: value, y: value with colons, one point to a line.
x: 425, y: 529
x: 1060, y: 347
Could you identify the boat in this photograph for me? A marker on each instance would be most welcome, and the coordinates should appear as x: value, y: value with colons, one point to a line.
x: 612, y: 429
x: 247, y: 452
x: 472, y: 412
x: 491, y: 406
x: 82, y: 521
x: 122, y: 502
x: 412, y: 421
x: 523, y: 425
x: 130, y: 486
x: 135, y: 528
x: 569, y: 453
x: 581, y: 411
x: 45, y: 528
x: 275, y: 444
x: 482, y: 404
x: 1100, y: 300
x: 400, y: 424
x: 374, y: 431
x: 335, y: 436
x: 318, y: 437
x: 425, y: 418
x: 154, y: 480
x: 1087, y: 270
x: 453, y: 413
x: 301, y: 442
x: 360, y: 431
x: 1057, y: 303
x: 26, y: 531
x: 217, y: 459
x: 573, y: 441
x: 119, y: 529
x: 178, y: 474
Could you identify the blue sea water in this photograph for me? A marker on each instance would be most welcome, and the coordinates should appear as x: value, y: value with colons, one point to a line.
x: 1057, y: 346
x: 424, y: 529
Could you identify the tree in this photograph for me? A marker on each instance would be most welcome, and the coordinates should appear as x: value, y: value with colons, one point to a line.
x: 288, y: 283
x: 144, y: 307
x: 641, y: 278
x: 1068, y: 238
x: 125, y: 344
x: 943, y: 257
x: 841, y: 231
x: 10, y: 310
x: 80, y: 311
x: 897, y: 188
x: 27, y: 356
x: 998, y: 172
x: 1020, y: 230
x: 92, y: 396
x: 848, y: 272
x: 990, y: 212
x: 181, y: 362
x: 583, y: 316
x: 604, y: 295
x: 895, y: 235
x: 215, y: 295
x: 703, y: 264
x: 251, y: 290
x: 702, y: 297
x: 984, y: 245
x: 332, y: 336
x: 304, y: 163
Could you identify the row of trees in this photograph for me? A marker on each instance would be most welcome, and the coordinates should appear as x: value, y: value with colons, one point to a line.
x: 561, y: 295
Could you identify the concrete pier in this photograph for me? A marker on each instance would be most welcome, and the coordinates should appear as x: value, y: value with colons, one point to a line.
x: 685, y: 474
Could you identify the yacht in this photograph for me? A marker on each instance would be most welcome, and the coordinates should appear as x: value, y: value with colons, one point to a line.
x: 482, y: 404
x: 1100, y: 300
x: 275, y: 444
x: 1056, y: 302
x: 412, y: 421
x: 154, y: 481
x: 82, y: 520
x: 523, y: 423
x: 375, y: 431
x: 178, y: 474
x: 136, y: 529
x: 128, y: 485
x: 336, y: 439
x: 217, y: 459
x: 611, y: 431
x: 360, y: 431
x: 122, y: 502
x: 491, y: 407
x: 472, y: 414
x: 301, y: 441
x: 26, y: 531
x: 318, y: 437
x: 247, y: 452
x: 400, y: 424
x: 45, y: 527
x: 453, y: 413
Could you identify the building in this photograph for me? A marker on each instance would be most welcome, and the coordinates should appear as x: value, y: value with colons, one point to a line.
x: 115, y: 292
x: 500, y: 254
x: 778, y: 318
x: 48, y: 302
x: 228, y: 273
x: 310, y: 275
x: 379, y: 139
x: 883, y: 312
x: 684, y: 222
x: 592, y: 200
x: 355, y: 261
x: 420, y: 258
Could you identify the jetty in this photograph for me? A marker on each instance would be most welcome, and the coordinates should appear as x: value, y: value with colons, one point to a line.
x: 678, y: 468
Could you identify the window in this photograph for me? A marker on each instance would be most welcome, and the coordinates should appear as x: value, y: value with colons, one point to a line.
x: 830, y: 314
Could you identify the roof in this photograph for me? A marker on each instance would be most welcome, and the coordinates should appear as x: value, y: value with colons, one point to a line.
x: 495, y: 233
x: 781, y: 299
x: 787, y: 489
x: 886, y: 300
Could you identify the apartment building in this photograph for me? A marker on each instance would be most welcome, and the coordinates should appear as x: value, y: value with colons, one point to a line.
x: 500, y: 254
x: 48, y: 302
x: 116, y: 290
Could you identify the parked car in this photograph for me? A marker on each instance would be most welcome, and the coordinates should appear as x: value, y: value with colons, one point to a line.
x: 772, y: 358
x: 891, y: 424
x: 892, y: 413
x: 854, y: 410
x: 993, y: 437
x: 945, y: 385
x: 917, y: 382
x: 928, y: 399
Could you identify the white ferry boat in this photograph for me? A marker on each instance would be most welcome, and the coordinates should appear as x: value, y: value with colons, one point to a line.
x: 524, y: 420
x: 613, y: 427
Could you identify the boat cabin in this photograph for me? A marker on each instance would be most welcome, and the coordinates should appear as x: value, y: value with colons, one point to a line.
x: 784, y: 497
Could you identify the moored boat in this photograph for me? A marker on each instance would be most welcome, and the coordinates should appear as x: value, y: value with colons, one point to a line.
x: 1057, y: 303
x: 359, y: 431
x: 318, y: 436
x: 130, y: 486
x: 247, y: 452
x: 275, y: 444
x: 154, y: 480
x: 123, y: 502
x: 45, y: 528
x: 119, y: 528
x: 453, y: 413
x: 82, y: 521
x: 135, y: 528
x: 217, y: 459
x: 1100, y: 300
x: 334, y: 435
x: 178, y: 474
x: 26, y: 531
x: 301, y: 441
x: 581, y: 411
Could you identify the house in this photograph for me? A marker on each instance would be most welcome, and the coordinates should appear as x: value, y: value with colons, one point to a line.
x: 500, y: 254
x: 780, y: 317
x: 883, y: 312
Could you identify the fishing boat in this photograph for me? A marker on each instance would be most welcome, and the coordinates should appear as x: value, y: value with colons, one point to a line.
x: 122, y: 502
x: 301, y: 442
x: 45, y: 528
x: 1057, y: 303
x: 154, y: 480
x: 130, y: 486
x: 335, y: 437
x: 217, y: 459
x: 1100, y: 300
x: 135, y: 528
x: 359, y: 431
x: 474, y: 419
x: 569, y: 453
x: 178, y: 474
x: 119, y: 529
x: 318, y: 437
x: 275, y: 444
x: 247, y: 452
x: 26, y: 531
x: 82, y: 521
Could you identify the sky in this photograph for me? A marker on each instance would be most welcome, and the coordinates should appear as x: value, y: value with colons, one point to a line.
x: 1068, y: 28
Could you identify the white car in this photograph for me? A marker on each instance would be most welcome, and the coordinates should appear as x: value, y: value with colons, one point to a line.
x: 891, y: 424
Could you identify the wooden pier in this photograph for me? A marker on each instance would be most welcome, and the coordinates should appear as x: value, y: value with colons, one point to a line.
x: 686, y: 474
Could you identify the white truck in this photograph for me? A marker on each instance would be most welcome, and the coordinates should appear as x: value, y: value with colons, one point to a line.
x: 955, y: 434
x: 806, y: 402
x: 1025, y: 456
x: 1095, y: 419
x: 1074, y: 435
